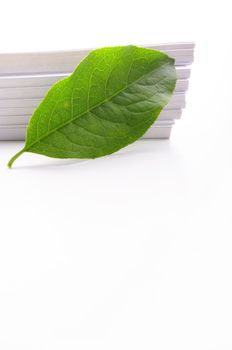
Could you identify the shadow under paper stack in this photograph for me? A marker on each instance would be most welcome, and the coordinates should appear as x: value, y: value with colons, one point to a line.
x: 25, y: 78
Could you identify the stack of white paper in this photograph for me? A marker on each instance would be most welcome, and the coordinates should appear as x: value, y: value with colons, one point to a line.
x: 25, y: 78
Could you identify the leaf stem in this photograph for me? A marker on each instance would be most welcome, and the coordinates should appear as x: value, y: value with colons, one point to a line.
x: 11, y: 161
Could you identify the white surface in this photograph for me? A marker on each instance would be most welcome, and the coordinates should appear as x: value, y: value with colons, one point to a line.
x: 131, y: 251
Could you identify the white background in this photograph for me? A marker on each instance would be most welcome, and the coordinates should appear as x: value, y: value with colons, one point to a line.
x: 134, y: 250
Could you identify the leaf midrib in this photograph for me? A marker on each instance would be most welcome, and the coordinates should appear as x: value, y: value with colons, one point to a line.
x: 90, y: 109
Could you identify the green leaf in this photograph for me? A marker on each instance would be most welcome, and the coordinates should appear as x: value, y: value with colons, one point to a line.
x: 114, y: 95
